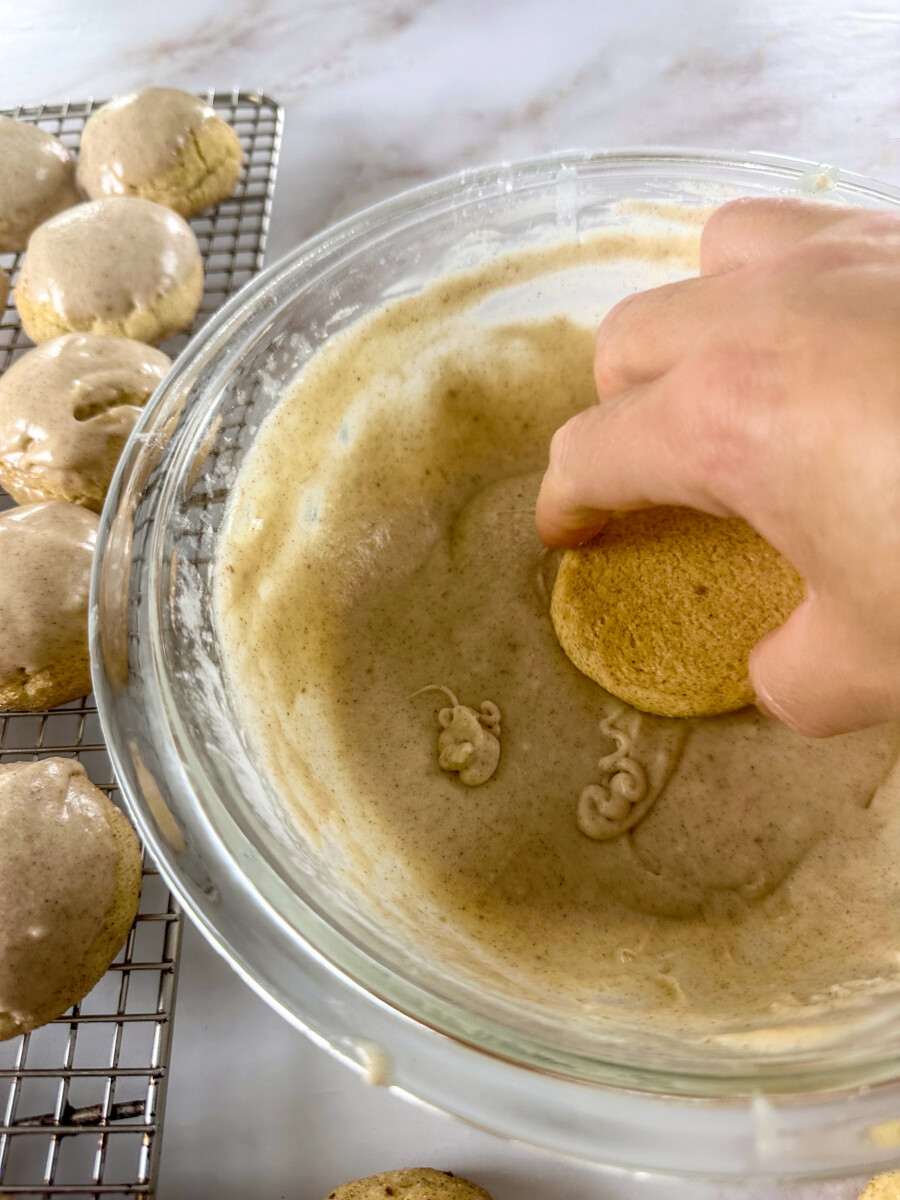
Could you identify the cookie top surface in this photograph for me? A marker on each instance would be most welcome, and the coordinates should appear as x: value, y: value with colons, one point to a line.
x: 138, y: 137
x: 46, y: 551
x: 883, y: 1187
x: 68, y: 406
x: 106, y: 258
x: 411, y: 1183
x: 663, y: 608
x: 37, y: 180
x: 57, y: 878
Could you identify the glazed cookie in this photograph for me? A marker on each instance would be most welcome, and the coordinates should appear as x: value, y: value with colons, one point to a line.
x: 164, y: 145
x: 66, y: 410
x: 411, y: 1183
x: 120, y: 266
x: 46, y: 552
x: 37, y: 181
x: 664, y: 607
x: 70, y: 884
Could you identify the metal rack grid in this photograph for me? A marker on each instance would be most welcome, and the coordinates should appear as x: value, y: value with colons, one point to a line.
x: 82, y: 1099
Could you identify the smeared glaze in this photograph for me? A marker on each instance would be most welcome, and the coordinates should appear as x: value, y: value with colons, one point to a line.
x: 37, y: 181
x: 57, y: 879
x: 66, y: 410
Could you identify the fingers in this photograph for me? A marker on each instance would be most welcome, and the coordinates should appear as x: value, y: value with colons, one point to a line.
x: 747, y: 230
x: 644, y: 335
x: 808, y: 674
x: 640, y: 451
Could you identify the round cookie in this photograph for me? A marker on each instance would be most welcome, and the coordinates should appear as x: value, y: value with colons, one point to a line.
x: 164, y: 145
x: 37, y: 181
x: 46, y: 552
x: 66, y: 410
x: 70, y: 884
x: 411, y: 1183
x: 663, y: 608
x: 883, y: 1187
x: 120, y: 266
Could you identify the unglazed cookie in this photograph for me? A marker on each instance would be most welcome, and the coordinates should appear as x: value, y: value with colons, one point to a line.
x: 164, y: 145
x: 66, y: 410
x: 883, y: 1187
x: 46, y: 552
x: 120, y: 266
x: 36, y: 182
x: 663, y: 608
x: 411, y: 1183
x: 70, y: 884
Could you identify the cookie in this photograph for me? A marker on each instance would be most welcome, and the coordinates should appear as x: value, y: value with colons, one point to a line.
x: 161, y: 144
x: 663, y: 608
x: 70, y: 884
x: 46, y: 552
x: 120, y: 266
x: 4, y: 289
x: 883, y: 1187
x: 66, y: 410
x: 37, y: 181
x: 411, y: 1183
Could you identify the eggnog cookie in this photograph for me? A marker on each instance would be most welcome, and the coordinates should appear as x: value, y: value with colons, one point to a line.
x: 883, y: 1187
x: 70, y: 883
x: 161, y: 144
x: 411, y: 1183
x: 120, y: 266
x: 45, y: 570
x: 36, y: 182
x: 66, y: 410
x: 663, y: 608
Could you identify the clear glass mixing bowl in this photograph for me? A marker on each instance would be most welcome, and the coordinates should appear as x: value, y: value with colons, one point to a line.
x: 226, y: 844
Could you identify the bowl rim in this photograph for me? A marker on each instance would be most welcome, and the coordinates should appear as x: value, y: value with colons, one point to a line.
x: 187, y: 371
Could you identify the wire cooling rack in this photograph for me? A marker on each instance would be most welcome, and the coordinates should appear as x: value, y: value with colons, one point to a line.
x: 82, y: 1099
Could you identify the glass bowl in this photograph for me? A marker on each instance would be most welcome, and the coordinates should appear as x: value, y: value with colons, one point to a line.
x: 225, y: 842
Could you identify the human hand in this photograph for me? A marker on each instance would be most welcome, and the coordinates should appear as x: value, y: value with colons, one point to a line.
x: 767, y: 388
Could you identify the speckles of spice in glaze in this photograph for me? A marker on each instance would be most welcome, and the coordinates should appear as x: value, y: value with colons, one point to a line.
x: 758, y: 880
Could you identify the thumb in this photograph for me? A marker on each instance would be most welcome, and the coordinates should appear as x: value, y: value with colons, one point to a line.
x: 811, y: 674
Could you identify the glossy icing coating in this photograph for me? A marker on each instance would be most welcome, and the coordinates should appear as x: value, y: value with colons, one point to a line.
x: 36, y: 182
x: 46, y: 552
x: 57, y: 879
x: 108, y: 258
x: 66, y: 410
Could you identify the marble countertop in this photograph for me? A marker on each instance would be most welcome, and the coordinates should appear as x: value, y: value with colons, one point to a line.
x: 381, y: 95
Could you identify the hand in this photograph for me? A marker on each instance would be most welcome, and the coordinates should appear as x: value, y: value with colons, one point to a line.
x: 767, y: 388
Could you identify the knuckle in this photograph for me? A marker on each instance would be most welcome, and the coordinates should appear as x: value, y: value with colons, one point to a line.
x: 611, y: 348
x: 726, y: 226
x: 729, y: 403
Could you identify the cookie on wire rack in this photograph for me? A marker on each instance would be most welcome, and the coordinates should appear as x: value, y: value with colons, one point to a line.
x: 163, y: 144
x: 46, y: 551
x: 70, y: 884
x: 119, y: 266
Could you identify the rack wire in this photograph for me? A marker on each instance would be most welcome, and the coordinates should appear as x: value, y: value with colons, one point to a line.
x: 82, y: 1099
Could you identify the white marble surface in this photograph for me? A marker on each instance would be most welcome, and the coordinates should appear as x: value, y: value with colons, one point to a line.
x: 380, y: 95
